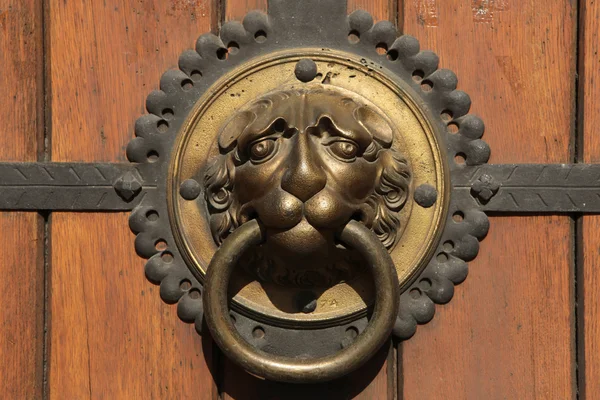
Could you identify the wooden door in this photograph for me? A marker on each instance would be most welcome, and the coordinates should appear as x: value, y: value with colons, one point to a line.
x: 78, y: 318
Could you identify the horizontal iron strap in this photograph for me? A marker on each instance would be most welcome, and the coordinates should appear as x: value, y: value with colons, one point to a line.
x: 506, y: 188
x: 531, y: 188
x: 88, y: 198
x: 74, y: 186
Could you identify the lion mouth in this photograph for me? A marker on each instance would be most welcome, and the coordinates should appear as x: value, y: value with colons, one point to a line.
x: 303, y: 256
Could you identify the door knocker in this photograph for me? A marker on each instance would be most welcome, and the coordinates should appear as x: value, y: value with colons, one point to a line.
x: 311, y: 176
x: 306, y: 184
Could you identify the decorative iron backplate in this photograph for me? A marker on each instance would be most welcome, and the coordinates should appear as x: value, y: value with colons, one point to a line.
x: 428, y: 187
x: 325, y: 50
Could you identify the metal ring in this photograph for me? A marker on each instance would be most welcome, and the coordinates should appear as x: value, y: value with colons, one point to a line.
x: 279, y: 368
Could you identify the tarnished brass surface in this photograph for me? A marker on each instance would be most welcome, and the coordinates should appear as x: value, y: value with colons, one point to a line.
x: 288, y: 369
x: 304, y: 158
x: 304, y: 161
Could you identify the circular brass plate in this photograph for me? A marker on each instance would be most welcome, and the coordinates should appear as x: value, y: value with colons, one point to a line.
x: 416, y: 140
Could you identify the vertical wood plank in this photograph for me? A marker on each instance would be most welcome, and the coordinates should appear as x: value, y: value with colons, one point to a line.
x: 21, y: 78
x: 373, y: 381
x: 589, y: 367
x: 508, y: 332
x: 22, y: 311
x: 21, y: 234
x: 111, y: 335
x: 589, y: 279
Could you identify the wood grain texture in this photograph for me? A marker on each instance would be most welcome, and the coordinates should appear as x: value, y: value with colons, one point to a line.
x: 508, y: 332
x: 21, y: 79
x: 373, y: 381
x: 22, y: 311
x: 111, y: 336
x: 589, y: 373
x: 379, y: 9
x: 21, y: 234
x: 235, y: 10
x: 106, y: 57
x: 589, y: 280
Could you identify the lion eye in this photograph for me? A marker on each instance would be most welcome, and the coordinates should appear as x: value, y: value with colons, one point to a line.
x: 344, y: 149
x: 262, y: 149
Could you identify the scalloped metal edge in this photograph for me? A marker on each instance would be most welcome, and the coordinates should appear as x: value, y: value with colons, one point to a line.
x: 259, y: 34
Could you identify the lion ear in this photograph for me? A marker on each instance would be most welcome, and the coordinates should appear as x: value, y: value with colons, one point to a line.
x: 234, y: 128
x: 378, y: 126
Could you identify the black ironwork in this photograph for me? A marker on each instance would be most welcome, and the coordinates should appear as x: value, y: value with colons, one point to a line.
x: 502, y: 188
x: 531, y: 188
x: 74, y: 186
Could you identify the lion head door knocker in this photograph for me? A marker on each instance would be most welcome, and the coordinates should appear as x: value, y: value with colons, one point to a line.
x: 304, y: 162
x: 305, y: 206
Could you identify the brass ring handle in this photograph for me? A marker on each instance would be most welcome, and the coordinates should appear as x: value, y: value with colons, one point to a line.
x: 288, y: 369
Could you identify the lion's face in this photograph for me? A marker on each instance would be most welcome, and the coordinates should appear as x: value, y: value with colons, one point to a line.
x: 305, y: 162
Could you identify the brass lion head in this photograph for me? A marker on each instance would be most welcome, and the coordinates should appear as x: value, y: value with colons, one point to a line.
x: 304, y: 162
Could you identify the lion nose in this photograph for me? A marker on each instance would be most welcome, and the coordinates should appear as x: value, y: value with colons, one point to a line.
x: 304, y: 176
